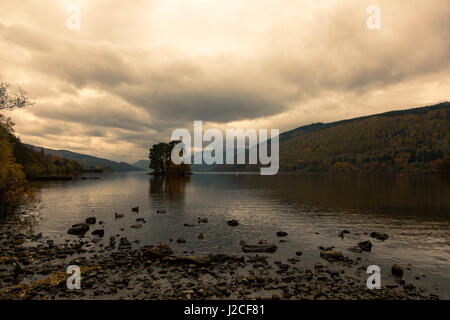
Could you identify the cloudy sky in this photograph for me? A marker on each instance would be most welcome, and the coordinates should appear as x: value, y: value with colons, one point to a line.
x: 138, y: 69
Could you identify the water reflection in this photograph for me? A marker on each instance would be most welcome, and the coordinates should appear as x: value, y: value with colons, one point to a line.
x: 171, y: 187
x: 413, y: 210
x: 418, y: 196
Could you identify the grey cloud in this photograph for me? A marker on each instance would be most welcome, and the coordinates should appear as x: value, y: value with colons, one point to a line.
x: 288, y: 65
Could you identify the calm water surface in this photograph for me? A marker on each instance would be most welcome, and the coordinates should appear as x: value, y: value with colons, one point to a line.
x: 413, y: 210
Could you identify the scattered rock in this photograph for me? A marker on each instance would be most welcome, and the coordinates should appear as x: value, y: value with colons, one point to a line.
x: 18, y: 242
x: 78, y: 229
x: 270, y: 248
x: 206, y: 260
x: 99, y: 233
x: 282, y: 234
x: 136, y: 226
x: 355, y: 249
x: 341, y: 233
x: 242, y: 243
x: 200, y: 236
x: 331, y: 255
x: 91, y: 220
x: 158, y: 252
x: 189, y: 224
x: 202, y: 220
x: 118, y: 215
x: 181, y: 240
x: 379, y: 235
x: 161, y: 211
x: 233, y: 223
x: 263, y: 242
x: 326, y: 248
x: 397, y: 271
x: 365, y: 245
x: 298, y: 253
x: 135, y: 209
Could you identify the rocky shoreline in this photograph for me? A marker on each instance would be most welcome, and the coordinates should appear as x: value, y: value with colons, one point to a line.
x: 34, y: 267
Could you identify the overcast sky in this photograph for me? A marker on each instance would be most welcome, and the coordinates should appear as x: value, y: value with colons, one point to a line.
x: 138, y: 69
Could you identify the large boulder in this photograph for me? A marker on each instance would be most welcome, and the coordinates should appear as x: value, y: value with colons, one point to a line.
x: 78, y: 229
x: 269, y: 248
x: 379, y: 235
x: 331, y: 255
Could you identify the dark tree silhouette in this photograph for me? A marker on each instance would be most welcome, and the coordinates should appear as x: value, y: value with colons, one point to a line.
x: 161, y: 162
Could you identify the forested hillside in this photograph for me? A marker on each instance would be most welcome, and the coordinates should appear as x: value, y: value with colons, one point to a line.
x: 414, y: 140
x: 19, y: 163
x: 87, y: 161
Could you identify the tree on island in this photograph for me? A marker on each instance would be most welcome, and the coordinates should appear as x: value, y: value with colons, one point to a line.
x: 161, y: 162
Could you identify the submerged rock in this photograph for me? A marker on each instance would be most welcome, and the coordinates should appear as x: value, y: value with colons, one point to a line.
x: 100, y: 233
x: 233, y: 223
x: 270, y: 248
x: 379, y: 235
x: 365, y: 245
x: 78, y: 229
x: 282, y: 234
x: 91, y: 220
x: 397, y: 271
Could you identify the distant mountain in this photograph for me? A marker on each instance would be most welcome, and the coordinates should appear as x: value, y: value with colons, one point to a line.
x: 89, y: 162
x: 413, y: 140
x: 142, y: 164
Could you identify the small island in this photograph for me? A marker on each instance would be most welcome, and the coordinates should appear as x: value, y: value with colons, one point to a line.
x: 161, y: 160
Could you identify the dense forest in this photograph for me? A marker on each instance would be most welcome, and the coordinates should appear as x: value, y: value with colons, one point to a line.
x: 19, y: 163
x: 414, y: 140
